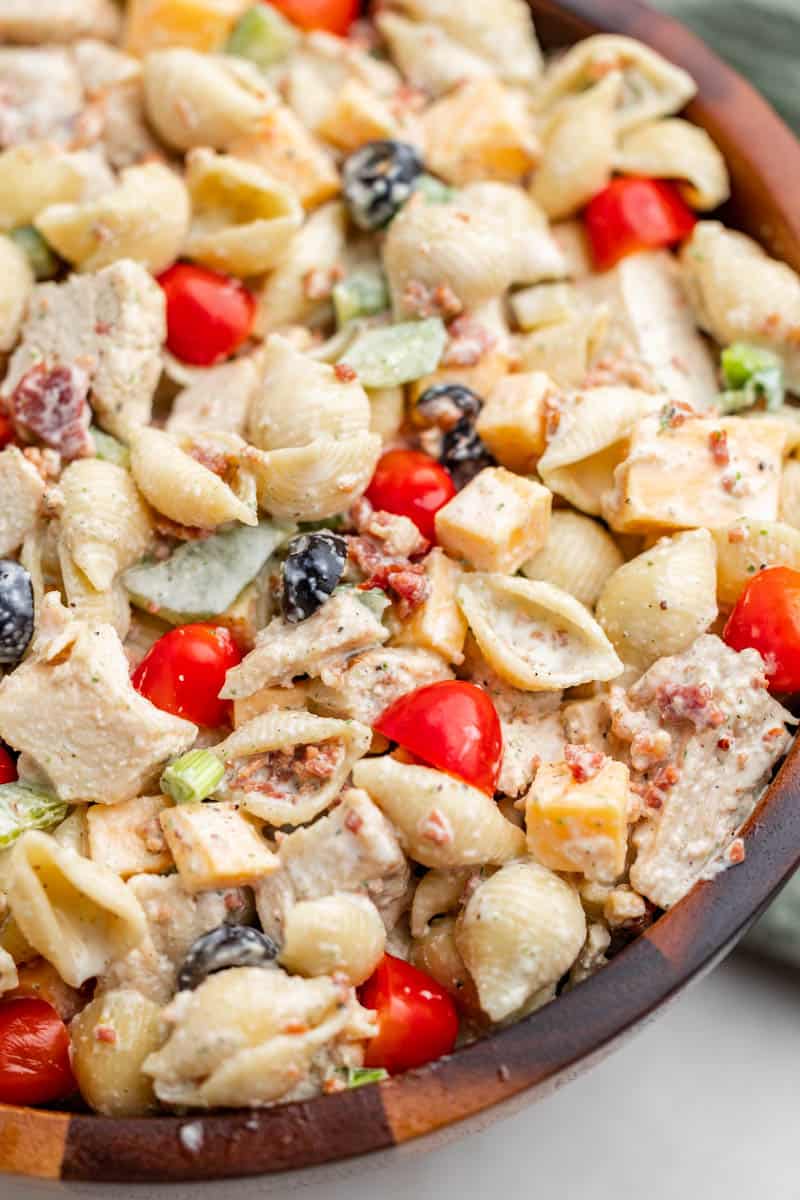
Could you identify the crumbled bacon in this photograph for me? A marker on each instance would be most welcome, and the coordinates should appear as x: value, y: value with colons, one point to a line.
x: 436, y: 828
x: 689, y: 702
x: 211, y: 458
x: 675, y: 414
x: 392, y: 573
x: 736, y: 852
x: 318, y: 283
x: 469, y: 341
x: 584, y: 762
x: 718, y: 445
x: 422, y: 301
x: 353, y: 821
x: 552, y: 415
x: 285, y: 773
x: 183, y: 533
x: 620, y: 369
x: 105, y: 1033
x: 51, y: 403
x: 736, y: 534
x: 345, y: 373
x: 399, y: 535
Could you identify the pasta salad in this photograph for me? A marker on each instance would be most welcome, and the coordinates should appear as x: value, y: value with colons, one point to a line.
x: 399, y: 534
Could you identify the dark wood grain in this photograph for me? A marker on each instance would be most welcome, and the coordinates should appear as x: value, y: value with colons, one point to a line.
x: 552, y: 1045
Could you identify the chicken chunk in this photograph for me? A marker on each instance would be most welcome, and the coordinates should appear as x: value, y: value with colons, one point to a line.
x: 375, y: 679
x: 57, y: 20
x: 111, y: 324
x: 22, y: 490
x: 72, y: 710
x: 41, y: 97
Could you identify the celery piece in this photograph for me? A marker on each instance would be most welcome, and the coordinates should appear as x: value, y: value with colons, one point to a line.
x: 24, y: 807
x: 44, y: 262
x: 434, y: 191
x: 263, y: 35
x: 192, y: 777
x: 203, y: 579
x: 752, y: 375
x: 375, y: 599
x: 397, y: 354
x: 109, y: 449
x: 362, y: 294
x: 355, y: 1077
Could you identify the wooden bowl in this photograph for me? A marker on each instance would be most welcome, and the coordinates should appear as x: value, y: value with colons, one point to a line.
x: 567, y: 1036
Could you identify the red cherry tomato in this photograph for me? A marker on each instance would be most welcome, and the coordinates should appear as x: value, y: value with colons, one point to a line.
x: 417, y: 1020
x: 184, y: 672
x: 450, y: 725
x: 8, y: 768
x: 34, y: 1053
x: 767, y: 617
x: 411, y: 484
x: 209, y: 315
x: 636, y: 214
x: 335, y: 16
x: 7, y: 432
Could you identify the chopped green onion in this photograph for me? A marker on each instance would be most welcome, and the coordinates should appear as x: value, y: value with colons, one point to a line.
x: 355, y: 1077
x: 192, y: 777
x: 109, y: 449
x: 263, y: 35
x: 397, y: 354
x: 434, y: 191
x: 44, y: 262
x: 362, y: 294
x: 24, y: 807
x: 752, y: 375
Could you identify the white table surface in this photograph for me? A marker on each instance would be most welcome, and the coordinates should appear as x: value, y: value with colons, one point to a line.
x: 704, y: 1104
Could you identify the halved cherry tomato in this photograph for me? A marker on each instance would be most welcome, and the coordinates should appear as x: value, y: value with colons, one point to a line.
x: 411, y: 484
x: 209, y: 315
x: 334, y: 16
x: 184, y: 672
x: 450, y: 725
x: 636, y: 214
x: 8, y: 768
x: 7, y: 432
x: 767, y: 617
x: 34, y: 1053
x: 417, y: 1020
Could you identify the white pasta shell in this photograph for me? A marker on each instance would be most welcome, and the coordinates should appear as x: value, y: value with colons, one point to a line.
x: 578, y: 557
x: 300, y: 400
x: 521, y: 930
x: 440, y: 821
x: 107, y: 606
x: 77, y: 914
x: 341, y: 934
x: 38, y: 174
x: 579, y: 148
x: 747, y: 547
x: 662, y: 600
x: 109, y: 1073
x: 318, y: 246
x: 287, y: 730
x: 437, y: 893
x: 180, y: 487
x: 675, y: 149
x: 18, y: 282
x: 534, y: 635
x: 310, y: 483
x: 105, y: 525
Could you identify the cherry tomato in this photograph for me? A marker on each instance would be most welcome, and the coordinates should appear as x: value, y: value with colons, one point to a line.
x: 767, y: 617
x: 7, y: 432
x: 450, y: 725
x: 34, y: 1053
x: 410, y: 484
x: 636, y: 214
x: 184, y: 672
x: 8, y: 768
x: 209, y: 315
x: 417, y: 1020
x: 334, y: 16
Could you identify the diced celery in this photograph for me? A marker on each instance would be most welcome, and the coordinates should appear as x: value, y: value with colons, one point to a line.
x: 44, y: 262
x: 362, y: 294
x: 434, y: 191
x: 752, y: 375
x: 24, y: 807
x: 355, y: 1077
x: 397, y: 354
x: 192, y: 777
x: 203, y: 579
x: 263, y: 35
x: 375, y: 599
x: 109, y: 449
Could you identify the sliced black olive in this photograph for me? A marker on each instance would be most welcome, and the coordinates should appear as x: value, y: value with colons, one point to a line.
x: 222, y: 948
x: 464, y: 454
x: 312, y: 570
x: 16, y: 612
x: 378, y: 180
x: 445, y: 404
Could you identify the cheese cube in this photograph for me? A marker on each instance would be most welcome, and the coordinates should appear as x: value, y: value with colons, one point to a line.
x: 480, y: 131
x: 497, y: 522
x: 357, y: 116
x: 686, y: 473
x: 288, y: 151
x: 202, y: 25
x: 512, y: 421
x: 215, y: 846
x: 543, y: 304
x: 579, y: 826
x: 438, y: 624
x: 128, y: 837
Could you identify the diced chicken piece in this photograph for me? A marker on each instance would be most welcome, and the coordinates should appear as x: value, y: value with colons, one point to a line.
x: 22, y: 490
x: 71, y: 707
x: 111, y: 325
x: 497, y: 522
x: 41, y: 98
x: 57, y: 20
x: 128, y: 837
x: 218, y: 399
x: 652, y: 322
x: 703, y: 735
x: 215, y: 846
x: 686, y: 472
x: 352, y: 849
x: 374, y: 680
x: 318, y: 646
x: 588, y: 723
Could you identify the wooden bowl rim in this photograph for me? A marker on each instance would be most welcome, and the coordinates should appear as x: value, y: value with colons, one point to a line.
x: 554, y: 1043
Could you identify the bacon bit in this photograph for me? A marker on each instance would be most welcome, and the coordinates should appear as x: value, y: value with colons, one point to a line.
x: 735, y: 484
x: 436, y: 828
x: 209, y: 457
x: 675, y: 414
x: 775, y: 732
x: 584, y: 762
x: 103, y: 328
x: 421, y: 301
x: 183, y: 533
x: 296, y: 1027
x: 469, y: 341
x: 152, y: 836
x: 353, y: 822
x: 689, y: 702
x: 287, y: 773
x: 736, y: 852
x: 233, y: 901
x: 319, y: 282
x: 620, y: 369
x: 718, y: 445
x: 331, y: 1086
x: 399, y: 535
x: 390, y: 573
x: 741, y: 759
x: 345, y: 373
x: 724, y: 743
x: 321, y: 759
x: 105, y: 1033
x: 51, y: 403
x: 736, y: 535
x: 407, y: 99
x: 553, y: 408
x: 771, y: 324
